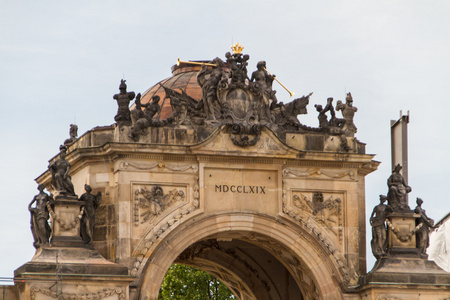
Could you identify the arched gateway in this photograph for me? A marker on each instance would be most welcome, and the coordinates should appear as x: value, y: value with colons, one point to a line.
x: 232, y: 184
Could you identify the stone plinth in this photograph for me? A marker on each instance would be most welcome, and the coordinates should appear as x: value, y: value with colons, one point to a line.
x: 402, y: 234
x: 65, y: 222
x: 67, y: 268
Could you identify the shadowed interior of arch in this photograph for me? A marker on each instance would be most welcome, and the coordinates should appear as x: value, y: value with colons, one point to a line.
x: 248, y: 270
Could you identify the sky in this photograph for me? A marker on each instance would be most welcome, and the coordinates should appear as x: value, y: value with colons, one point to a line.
x: 62, y: 61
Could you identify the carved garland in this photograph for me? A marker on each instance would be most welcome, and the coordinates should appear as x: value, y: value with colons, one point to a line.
x: 159, y: 165
x: 70, y: 296
x: 403, y: 237
x: 64, y: 226
x: 157, y: 232
x: 322, y: 238
x: 317, y: 172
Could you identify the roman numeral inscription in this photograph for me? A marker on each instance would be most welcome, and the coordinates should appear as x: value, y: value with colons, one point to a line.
x: 241, y: 189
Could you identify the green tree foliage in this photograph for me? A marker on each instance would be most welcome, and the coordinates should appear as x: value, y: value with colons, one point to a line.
x: 185, y: 282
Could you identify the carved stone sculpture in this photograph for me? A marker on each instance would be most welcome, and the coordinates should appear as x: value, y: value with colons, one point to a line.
x: 243, y: 104
x: 154, y: 201
x: 61, y: 181
x: 423, y: 234
x: 348, y: 112
x: 145, y: 118
x: 123, y: 100
x: 91, y: 202
x: 73, y: 133
x: 238, y: 65
x: 397, y: 191
x: 210, y: 79
x: 333, y: 126
x: 286, y: 115
x: 378, y: 222
x: 39, y: 216
x: 262, y: 85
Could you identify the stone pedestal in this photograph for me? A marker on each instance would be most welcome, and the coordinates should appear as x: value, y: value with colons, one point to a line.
x: 67, y: 268
x: 65, y: 222
x: 404, y: 273
x: 402, y: 235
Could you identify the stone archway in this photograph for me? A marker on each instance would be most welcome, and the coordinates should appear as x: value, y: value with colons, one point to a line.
x: 249, y: 253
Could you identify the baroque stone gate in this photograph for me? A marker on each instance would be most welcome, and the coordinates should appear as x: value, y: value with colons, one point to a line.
x: 218, y: 175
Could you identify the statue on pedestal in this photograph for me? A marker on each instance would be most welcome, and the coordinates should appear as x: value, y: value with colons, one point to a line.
x: 61, y: 181
x: 397, y: 190
x: 333, y: 126
x: 91, y: 203
x: 422, y: 235
x: 348, y: 112
x: 378, y: 222
x: 73, y: 133
x: 123, y: 100
x: 39, y: 216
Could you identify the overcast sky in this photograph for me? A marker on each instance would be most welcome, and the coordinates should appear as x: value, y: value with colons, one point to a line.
x: 62, y: 61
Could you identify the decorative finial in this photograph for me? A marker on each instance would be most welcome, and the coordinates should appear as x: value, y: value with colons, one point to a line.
x: 237, y: 48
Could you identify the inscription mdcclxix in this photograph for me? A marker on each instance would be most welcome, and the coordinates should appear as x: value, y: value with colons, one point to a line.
x: 242, y: 189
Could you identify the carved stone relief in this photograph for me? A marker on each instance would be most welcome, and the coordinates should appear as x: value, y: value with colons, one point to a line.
x: 103, y: 294
x: 326, y: 208
x: 158, y: 230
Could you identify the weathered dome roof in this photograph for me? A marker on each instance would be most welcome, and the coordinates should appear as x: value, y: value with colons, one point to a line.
x: 184, y: 77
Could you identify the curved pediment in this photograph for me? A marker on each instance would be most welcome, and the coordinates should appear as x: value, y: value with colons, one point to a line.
x: 263, y: 144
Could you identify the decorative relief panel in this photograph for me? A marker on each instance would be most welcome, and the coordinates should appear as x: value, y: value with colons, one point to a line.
x: 325, y: 208
x: 151, y: 200
x: 177, y: 195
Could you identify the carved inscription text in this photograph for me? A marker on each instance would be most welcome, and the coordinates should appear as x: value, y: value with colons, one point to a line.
x: 242, y: 189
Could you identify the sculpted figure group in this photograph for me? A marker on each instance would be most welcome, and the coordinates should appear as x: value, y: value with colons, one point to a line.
x: 398, y: 203
x: 231, y: 97
x: 63, y: 189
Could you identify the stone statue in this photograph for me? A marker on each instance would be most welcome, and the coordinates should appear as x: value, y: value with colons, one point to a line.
x: 210, y: 79
x: 73, y: 133
x: 286, y: 115
x: 348, y: 112
x: 332, y: 126
x: 422, y: 235
x: 123, y: 101
x: 378, y: 222
x: 238, y: 65
x: 397, y: 190
x: 262, y: 85
x: 145, y: 118
x: 91, y: 203
x: 39, y: 216
x: 137, y: 112
x: 61, y: 181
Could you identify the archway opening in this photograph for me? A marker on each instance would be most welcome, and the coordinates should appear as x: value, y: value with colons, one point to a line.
x: 248, y: 270
x: 186, y: 282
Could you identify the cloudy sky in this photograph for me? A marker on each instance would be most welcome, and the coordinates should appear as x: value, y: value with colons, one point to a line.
x: 62, y: 61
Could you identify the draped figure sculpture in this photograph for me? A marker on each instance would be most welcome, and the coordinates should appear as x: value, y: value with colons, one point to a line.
x: 378, y: 222
x: 91, y: 202
x: 423, y: 234
x: 61, y: 181
x: 39, y: 218
x: 398, y: 189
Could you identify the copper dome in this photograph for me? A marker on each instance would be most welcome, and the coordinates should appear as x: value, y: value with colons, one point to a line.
x: 184, y: 77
